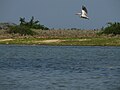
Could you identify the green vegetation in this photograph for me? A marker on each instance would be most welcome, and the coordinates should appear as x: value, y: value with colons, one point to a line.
x: 32, y: 24
x: 22, y: 30
x: 112, y: 28
x: 26, y: 34
x: 64, y: 41
x: 25, y: 28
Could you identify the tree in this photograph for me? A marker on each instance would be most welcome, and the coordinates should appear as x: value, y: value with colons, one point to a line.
x: 25, y: 28
x: 112, y: 28
x: 22, y: 21
x: 32, y: 24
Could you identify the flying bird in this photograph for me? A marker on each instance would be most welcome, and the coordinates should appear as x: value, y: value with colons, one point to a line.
x: 83, y: 13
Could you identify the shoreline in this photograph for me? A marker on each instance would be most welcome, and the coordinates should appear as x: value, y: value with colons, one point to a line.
x: 98, y: 41
x: 61, y: 38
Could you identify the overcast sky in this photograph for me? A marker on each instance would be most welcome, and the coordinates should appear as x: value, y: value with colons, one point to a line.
x: 61, y: 13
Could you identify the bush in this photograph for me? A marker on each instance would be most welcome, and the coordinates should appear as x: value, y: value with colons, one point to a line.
x: 112, y: 28
x: 6, y: 26
x: 22, y: 30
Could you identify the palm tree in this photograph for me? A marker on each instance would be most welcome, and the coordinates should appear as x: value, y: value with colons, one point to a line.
x: 22, y: 21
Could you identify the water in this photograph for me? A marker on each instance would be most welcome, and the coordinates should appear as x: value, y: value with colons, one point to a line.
x: 59, y: 68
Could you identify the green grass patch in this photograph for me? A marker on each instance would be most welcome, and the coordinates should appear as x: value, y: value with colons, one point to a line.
x: 65, y: 41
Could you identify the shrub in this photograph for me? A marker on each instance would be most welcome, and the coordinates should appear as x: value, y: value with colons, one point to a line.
x: 6, y: 26
x: 112, y: 28
x: 22, y: 30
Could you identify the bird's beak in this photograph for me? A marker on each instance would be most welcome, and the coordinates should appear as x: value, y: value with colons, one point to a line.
x: 78, y: 14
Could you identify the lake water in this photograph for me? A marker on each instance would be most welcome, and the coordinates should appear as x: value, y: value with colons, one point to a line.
x: 59, y: 68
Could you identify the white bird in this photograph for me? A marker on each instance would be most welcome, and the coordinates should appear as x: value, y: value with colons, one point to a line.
x: 83, y: 13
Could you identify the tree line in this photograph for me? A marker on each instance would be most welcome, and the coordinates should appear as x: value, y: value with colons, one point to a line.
x: 26, y: 27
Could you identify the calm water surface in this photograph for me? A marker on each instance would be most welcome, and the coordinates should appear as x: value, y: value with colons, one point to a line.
x: 59, y: 68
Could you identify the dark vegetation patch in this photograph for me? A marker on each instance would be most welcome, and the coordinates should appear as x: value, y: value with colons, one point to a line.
x: 112, y: 28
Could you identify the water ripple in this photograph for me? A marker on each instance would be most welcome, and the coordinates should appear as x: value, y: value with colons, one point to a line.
x: 59, y: 68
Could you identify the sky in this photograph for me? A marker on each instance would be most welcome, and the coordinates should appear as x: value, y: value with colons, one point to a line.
x: 61, y: 13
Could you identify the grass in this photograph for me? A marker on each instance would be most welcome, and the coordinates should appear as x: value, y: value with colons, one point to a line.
x: 65, y: 41
x: 61, y: 37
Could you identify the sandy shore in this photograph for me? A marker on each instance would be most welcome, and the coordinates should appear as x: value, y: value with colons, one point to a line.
x: 2, y: 40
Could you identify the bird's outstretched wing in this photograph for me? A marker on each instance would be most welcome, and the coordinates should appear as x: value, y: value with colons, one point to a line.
x: 85, y: 9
